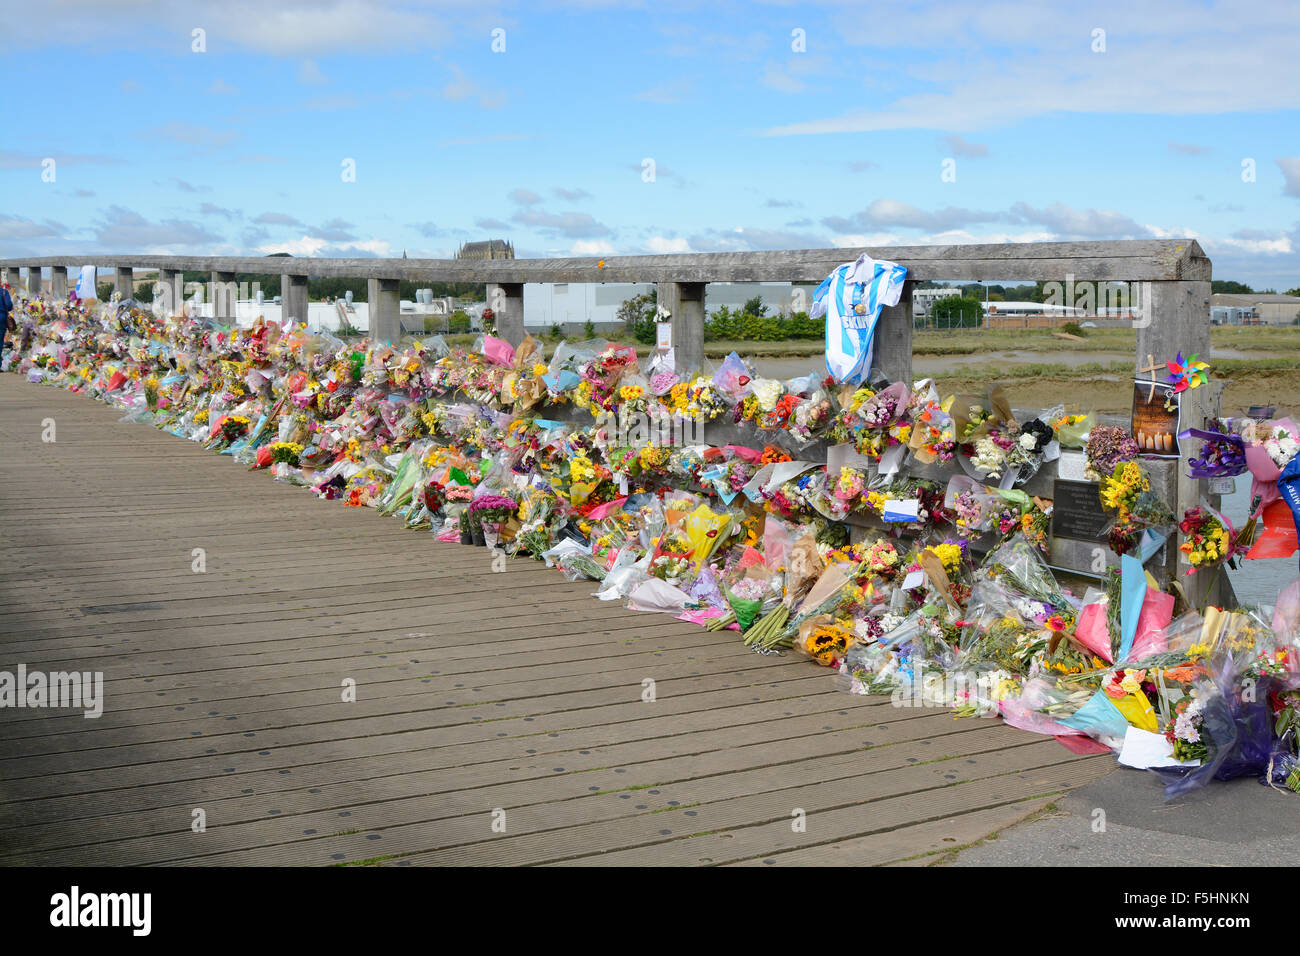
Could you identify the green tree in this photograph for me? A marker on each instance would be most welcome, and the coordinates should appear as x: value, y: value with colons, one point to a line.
x: 638, y: 316
x: 961, y: 312
x: 1229, y: 287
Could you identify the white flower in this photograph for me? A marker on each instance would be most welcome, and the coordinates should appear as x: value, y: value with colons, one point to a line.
x: 1282, y: 448
x: 767, y: 391
x: 989, y: 458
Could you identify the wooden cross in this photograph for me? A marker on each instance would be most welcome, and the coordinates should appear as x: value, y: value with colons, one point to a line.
x: 1151, y: 367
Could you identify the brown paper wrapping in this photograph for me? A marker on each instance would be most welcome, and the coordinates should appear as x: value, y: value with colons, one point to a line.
x: 933, y: 568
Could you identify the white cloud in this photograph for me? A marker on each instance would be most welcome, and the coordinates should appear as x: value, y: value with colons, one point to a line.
x: 1290, y: 166
x: 1153, y: 64
x: 591, y: 247
x: 123, y: 229
x: 316, y: 246
x: 1086, y: 223
x: 661, y: 245
x: 962, y: 147
x: 572, y: 225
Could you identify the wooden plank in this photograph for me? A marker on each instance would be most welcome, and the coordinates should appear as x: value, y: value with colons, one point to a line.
x: 1134, y: 259
x: 921, y: 843
x: 477, y: 690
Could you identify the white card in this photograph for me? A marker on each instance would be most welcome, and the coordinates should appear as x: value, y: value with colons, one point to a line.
x: 913, y: 580
x: 902, y: 510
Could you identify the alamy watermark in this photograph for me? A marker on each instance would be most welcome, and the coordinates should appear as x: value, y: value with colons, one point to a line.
x: 943, y: 689
x: 655, y: 427
x: 1122, y: 300
x: 57, y: 689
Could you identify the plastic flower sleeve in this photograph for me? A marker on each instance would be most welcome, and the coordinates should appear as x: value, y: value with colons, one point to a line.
x: 1072, y: 430
x: 1220, y: 455
x: 971, y: 504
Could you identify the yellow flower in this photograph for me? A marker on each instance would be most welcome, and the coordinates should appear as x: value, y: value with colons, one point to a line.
x: 949, y: 554
x: 860, y: 398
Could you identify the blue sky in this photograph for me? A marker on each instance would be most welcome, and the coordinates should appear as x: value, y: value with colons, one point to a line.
x: 1048, y: 128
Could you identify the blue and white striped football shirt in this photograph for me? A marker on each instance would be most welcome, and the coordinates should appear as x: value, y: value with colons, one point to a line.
x: 851, y: 298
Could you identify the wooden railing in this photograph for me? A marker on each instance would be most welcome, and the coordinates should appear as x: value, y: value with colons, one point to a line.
x: 1173, y: 276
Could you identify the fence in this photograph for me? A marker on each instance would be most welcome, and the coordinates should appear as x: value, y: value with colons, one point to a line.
x: 1175, y: 317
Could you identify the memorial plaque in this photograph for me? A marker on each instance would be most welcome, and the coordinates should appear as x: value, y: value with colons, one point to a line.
x: 1077, y: 511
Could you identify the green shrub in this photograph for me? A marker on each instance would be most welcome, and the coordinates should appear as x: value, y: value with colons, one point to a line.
x: 750, y: 326
x: 957, y: 312
x: 1073, y: 328
x: 458, y: 322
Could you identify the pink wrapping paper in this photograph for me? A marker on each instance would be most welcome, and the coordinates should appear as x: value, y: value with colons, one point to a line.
x: 1092, y: 632
x: 1082, y: 744
x: 1018, y: 715
x: 498, y: 351
x: 750, y: 455
x: 1157, y: 611
x: 605, y: 510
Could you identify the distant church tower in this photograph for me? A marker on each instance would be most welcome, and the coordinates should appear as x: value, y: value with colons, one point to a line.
x: 489, y: 249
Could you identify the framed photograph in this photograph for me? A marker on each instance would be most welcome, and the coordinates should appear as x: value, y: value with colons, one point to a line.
x: 1155, y: 419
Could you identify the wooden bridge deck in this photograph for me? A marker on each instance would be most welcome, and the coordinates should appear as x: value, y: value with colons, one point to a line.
x: 476, y: 692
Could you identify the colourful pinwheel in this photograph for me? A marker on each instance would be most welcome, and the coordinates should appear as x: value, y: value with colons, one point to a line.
x: 1189, y: 374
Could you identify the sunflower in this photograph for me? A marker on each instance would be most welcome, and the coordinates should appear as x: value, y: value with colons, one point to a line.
x: 826, y: 643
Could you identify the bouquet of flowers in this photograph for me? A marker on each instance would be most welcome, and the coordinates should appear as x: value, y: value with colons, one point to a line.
x: 1209, y: 539
x: 810, y: 418
x: 881, y: 559
x: 1108, y: 445
x: 234, y: 427
x: 990, y: 458
x: 1120, y: 489
x: 1221, y: 455
x: 286, y: 452
x: 1072, y: 429
x: 1185, y: 728
x: 933, y: 435
x: 670, y: 568
x: 1281, y: 446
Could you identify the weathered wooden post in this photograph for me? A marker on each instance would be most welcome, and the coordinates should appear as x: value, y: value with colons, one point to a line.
x: 168, y: 296
x: 293, y: 298
x: 224, y: 293
x: 506, y: 300
x: 685, y: 302
x: 1176, y: 319
x: 892, y: 355
x: 385, y: 309
x: 124, y: 281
